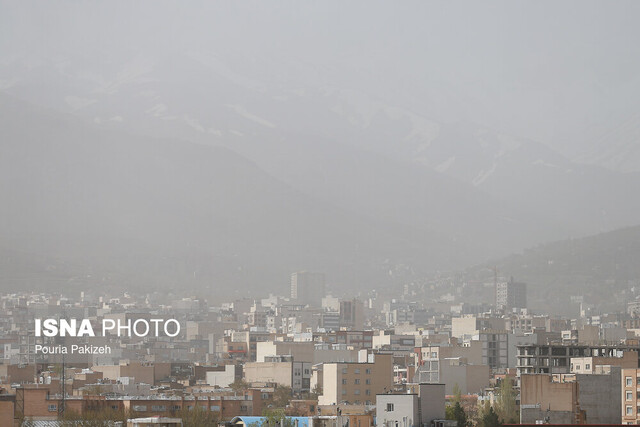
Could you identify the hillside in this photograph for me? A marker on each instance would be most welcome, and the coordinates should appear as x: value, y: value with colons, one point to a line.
x: 92, y: 207
x: 603, y: 268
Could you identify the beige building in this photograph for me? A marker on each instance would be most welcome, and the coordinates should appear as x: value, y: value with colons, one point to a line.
x: 550, y: 398
x: 469, y: 325
x: 453, y: 365
x: 630, y: 401
x: 356, y: 383
x: 148, y: 373
x: 306, y: 351
x: 280, y: 370
x: 589, y: 365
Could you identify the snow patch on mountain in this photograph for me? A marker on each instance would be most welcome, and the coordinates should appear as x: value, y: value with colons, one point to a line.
x: 483, y: 175
x: 442, y: 167
x: 247, y: 115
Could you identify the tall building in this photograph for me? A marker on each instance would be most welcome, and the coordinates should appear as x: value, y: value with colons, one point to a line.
x: 352, y: 314
x: 511, y: 295
x: 307, y: 288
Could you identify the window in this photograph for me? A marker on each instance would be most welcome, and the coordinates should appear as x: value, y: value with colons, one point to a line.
x: 344, y: 381
x: 629, y: 381
x: 367, y: 392
x: 356, y: 381
x: 173, y: 407
x: 629, y: 410
x: 357, y: 370
x: 344, y: 370
x: 52, y: 407
x: 217, y: 408
x: 577, y: 367
x: 344, y: 391
x: 587, y: 366
x: 357, y: 392
x: 390, y: 407
x: 367, y: 371
x: 158, y: 408
x: 629, y: 395
x: 140, y: 408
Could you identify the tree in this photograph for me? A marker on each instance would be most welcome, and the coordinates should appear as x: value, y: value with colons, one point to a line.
x: 239, y: 385
x: 316, y: 392
x: 456, y: 412
x: 198, y: 416
x: 489, y: 418
x: 506, y: 402
x: 276, y: 418
x: 103, y: 417
x: 457, y: 394
x: 281, y: 396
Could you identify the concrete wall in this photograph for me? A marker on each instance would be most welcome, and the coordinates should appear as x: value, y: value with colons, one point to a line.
x: 301, y: 351
x: 531, y: 415
x: 329, y: 384
x: 538, y: 389
x: 6, y: 413
x: 432, y: 402
x: 404, y: 412
x: 273, y: 372
x: 540, y: 397
x: 222, y: 378
x: 600, y: 397
x: 467, y: 325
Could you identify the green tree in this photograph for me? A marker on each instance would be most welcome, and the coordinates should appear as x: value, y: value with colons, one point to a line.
x: 456, y: 412
x: 198, y: 416
x: 489, y: 418
x: 457, y: 394
x: 276, y: 418
x: 506, y: 402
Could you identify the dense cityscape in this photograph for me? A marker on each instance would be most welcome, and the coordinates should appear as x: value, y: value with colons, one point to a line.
x: 314, y: 359
x: 319, y: 213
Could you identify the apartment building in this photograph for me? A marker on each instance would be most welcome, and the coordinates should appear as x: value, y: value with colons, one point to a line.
x: 281, y: 370
x: 630, y: 390
x: 357, y: 382
x: 556, y: 358
x: 419, y: 405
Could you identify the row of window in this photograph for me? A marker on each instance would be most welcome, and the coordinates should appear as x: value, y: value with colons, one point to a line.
x: 356, y: 381
x: 162, y: 408
x: 587, y: 366
x: 356, y: 370
x: 357, y: 392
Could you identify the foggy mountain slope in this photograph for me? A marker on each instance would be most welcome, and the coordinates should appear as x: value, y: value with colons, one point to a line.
x: 588, y: 198
x: 153, y: 211
x: 600, y: 267
x: 618, y: 148
x: 292, y: 121
x: 341, y: 146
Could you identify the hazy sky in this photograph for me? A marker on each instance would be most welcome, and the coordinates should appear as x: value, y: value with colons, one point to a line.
x: 559, y: 72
